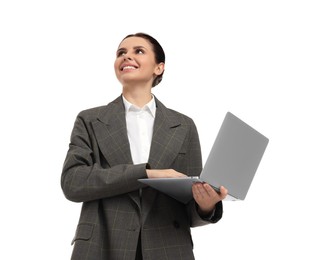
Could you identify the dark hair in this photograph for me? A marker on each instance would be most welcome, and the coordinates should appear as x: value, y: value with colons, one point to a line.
x: 158, y: 51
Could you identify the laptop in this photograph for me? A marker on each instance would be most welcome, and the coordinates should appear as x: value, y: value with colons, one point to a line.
x: 232, y: 163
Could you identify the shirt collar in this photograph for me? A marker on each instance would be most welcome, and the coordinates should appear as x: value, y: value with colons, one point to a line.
x: 150, y: 106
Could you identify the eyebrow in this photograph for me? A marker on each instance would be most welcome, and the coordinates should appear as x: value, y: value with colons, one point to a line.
x: 135, y: 48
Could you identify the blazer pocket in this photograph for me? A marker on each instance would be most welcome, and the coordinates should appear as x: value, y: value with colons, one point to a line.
x: 180, y: 163
x: 83, y: 232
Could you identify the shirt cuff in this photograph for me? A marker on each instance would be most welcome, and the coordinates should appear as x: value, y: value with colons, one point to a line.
x: 215, y: 215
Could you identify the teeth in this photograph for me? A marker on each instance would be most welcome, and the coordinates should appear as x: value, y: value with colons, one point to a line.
x: 128, y: 68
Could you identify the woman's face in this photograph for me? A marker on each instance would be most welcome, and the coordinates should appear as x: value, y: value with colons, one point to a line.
x: 135, y: 62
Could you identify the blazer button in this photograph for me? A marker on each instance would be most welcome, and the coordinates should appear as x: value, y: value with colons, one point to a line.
x: 176, y: 224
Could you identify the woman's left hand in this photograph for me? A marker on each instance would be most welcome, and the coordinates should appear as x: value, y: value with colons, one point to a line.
x: 206, y: 197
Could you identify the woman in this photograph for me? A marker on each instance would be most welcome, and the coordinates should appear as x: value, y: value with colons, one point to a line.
x: 133, y: 137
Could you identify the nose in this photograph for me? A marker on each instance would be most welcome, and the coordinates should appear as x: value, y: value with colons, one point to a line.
x: 126, y: 57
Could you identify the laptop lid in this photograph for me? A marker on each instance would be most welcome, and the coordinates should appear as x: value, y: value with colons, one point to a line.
x: 232, y: 163
x: 234, y: 157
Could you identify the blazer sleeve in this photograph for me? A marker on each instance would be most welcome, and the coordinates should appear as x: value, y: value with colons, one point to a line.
x: 84, y: 178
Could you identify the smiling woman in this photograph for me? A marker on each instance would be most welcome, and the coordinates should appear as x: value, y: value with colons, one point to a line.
x: 134, y: 137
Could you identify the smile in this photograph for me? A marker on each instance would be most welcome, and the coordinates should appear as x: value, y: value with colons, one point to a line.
x: 128, y: 67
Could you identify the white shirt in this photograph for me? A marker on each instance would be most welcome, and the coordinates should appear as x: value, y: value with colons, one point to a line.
x: 140, y: 123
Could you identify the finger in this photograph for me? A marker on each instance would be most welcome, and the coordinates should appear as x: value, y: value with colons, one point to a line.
x: 208, y: 188
x: 195, y: 190
x: 198, y: 191
x: 223, y: 192
x: 206, y: 191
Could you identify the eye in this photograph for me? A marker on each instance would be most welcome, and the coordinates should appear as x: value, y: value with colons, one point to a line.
x: 121, y: 53
x: 139, y: 51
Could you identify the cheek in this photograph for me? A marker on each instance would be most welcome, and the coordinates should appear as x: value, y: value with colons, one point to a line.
x: 116, y: 66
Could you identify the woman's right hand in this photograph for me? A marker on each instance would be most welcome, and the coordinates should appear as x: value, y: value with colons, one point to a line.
x: 164, y: 173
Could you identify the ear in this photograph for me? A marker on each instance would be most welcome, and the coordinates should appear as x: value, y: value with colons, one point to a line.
x: 159, y: 69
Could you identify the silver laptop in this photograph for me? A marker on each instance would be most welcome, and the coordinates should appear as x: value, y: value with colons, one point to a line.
x: 232, y: 163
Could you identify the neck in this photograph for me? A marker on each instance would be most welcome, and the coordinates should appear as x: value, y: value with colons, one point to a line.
x: 137, y: 96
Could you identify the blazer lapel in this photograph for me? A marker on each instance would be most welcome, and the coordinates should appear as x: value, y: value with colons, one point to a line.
x: 168, y: 136
x: 111, y: 133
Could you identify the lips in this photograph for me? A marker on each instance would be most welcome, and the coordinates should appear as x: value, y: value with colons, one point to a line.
x: 128, y: 67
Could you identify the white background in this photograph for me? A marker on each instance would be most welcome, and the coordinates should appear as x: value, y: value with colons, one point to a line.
x: 253, y: 58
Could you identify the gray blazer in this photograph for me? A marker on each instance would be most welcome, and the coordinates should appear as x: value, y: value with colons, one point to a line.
x: 98, y: 171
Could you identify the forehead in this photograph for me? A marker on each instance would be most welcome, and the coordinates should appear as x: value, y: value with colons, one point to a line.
x: 134, y: 41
